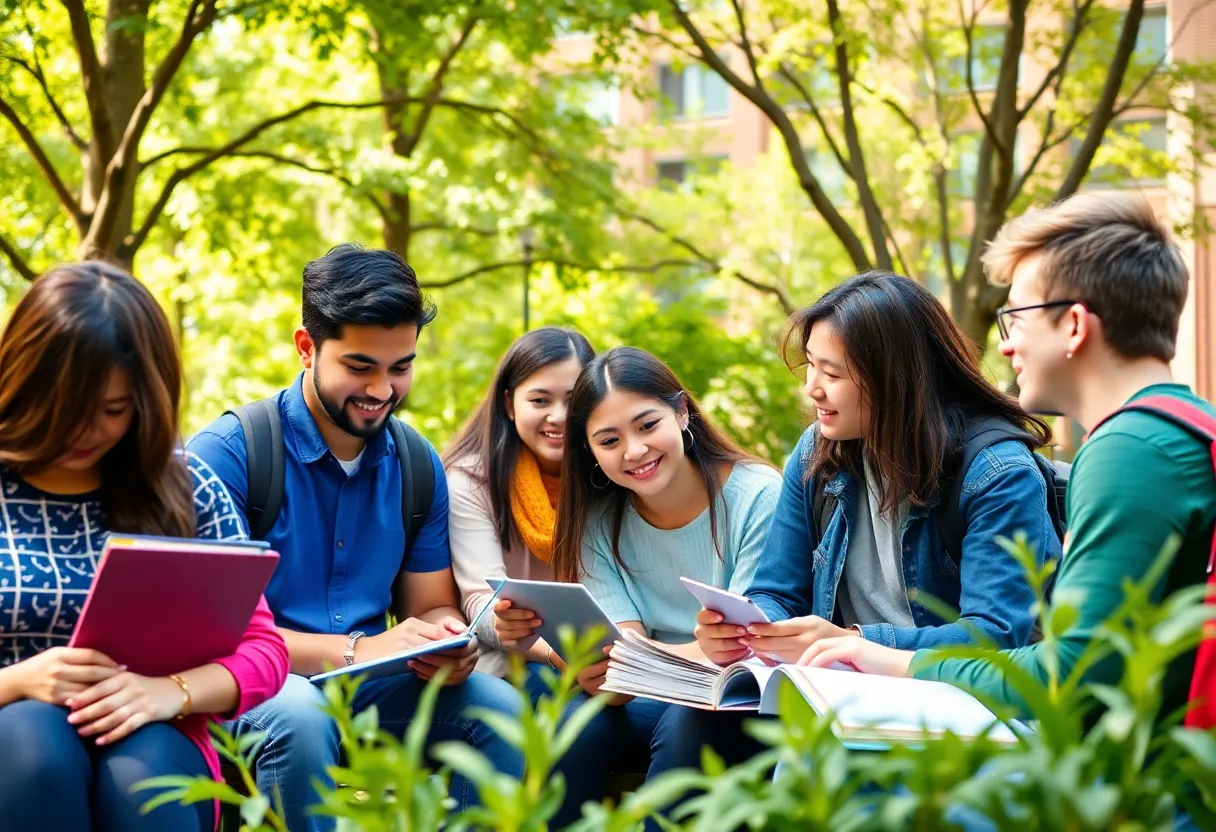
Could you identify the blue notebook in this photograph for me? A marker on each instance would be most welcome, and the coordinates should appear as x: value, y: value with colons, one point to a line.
x: 399, y: 663
x: 556, y: 604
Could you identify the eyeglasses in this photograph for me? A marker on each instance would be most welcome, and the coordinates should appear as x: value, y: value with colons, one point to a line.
x: 1003, y: 312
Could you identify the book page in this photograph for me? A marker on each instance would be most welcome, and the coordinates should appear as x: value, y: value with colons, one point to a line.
x: 894, y: 706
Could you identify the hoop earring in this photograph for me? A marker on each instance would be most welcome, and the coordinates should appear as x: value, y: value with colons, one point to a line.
x: 692, y: 440
x: 607, y: 479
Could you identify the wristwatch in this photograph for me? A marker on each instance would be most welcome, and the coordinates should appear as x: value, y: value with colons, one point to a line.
x: 349, y: 653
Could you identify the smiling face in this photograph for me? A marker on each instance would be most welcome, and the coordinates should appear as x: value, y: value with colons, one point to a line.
x: 637, y: 441
x: 538, y: 408
x: 359, y: 378
x: 840, y: 404
x: 106, y: 428
x: 1038, y: 343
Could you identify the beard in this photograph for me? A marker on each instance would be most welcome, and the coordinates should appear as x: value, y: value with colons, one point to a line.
x: 337, y: 412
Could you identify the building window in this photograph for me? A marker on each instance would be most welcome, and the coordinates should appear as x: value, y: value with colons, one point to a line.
x: 1132, y: 154
x: 670, y: 175
x: 692, y: 91
x: 1153, y: 39
x: 679, y: 174
x: 964, y: 163
x: 603, y: 100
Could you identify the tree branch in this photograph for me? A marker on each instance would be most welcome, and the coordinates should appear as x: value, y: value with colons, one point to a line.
x: 897, y: 108
x: 90, y: 78
x: 464, y: 229
x: 1080, y: 21
x: 793, y: 144
x: 44, y: 163
x: 875, y: 223
x: 180, y: 175
x: 969, y: 35
x: 436, y: 87
x: 801, y: 89
x: 35, y: 70
x: 746, y: 45
x: 556, y: 261
x: 1104, y: 112
x: 121, y: 169
x: 19, y: 264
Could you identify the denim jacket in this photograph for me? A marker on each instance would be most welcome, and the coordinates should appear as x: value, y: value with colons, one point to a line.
x: 1003, y: 493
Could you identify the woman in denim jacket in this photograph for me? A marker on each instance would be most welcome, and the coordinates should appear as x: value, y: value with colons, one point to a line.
x: 895, y: 385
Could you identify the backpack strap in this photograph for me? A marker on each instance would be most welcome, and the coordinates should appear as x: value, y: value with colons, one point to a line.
x: 417, y: 478
x: 264, y: 463
x: 981, y: 434
x: 1185, y: 415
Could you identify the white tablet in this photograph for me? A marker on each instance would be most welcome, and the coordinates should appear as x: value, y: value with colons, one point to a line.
x: 735, y: 608
x: 556, y: 604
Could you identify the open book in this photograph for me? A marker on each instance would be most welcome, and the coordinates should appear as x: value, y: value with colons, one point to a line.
x: 870, y: 711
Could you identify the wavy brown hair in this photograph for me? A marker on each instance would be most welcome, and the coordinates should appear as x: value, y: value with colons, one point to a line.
x: 918, y: 372
x: 488, y: 445
x: 74, y: 326
x: 634, y: 371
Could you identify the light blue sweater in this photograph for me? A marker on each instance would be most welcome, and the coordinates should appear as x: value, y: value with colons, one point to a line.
x: 649, y: 589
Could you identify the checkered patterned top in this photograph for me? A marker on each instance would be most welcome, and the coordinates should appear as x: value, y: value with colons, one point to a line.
x: 49, y: 546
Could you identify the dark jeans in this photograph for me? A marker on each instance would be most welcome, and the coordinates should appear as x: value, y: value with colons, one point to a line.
x: 55, y: 780
x: 301, y: 741
x: 641, y: 736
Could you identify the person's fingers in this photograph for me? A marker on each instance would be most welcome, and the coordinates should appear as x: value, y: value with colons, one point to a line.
x: 709, y: 617
x: 87, y: 674
x: 105, y: 724
x: 720, y: 631
x: 131, y: 725
x: 729, y: 656
x: 819, y: 648
x: 85, y: 717
x: 789, y: 627
x: 515, y: 614
x: 775, y: 645
x: 82, y: 655
x: 97, y: 692
x: 425, y: 672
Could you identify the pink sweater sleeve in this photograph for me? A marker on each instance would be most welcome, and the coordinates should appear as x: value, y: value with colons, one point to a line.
x: 260, y: 662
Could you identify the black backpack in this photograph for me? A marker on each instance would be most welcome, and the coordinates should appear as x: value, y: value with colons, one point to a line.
x: 266, y: 465
x: 981, y: 434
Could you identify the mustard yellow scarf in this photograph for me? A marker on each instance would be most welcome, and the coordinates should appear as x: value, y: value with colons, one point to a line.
x: 534, y: 505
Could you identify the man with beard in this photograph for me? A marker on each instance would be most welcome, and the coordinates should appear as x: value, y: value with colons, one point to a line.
x: 341, y: 535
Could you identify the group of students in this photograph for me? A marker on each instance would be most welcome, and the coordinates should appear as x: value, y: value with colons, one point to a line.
x: 577, y: 466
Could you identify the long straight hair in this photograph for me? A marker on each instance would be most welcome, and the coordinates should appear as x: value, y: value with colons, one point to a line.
x: 74, y: 326
x: 634, y: 371
x: 919, y: 374
x: 488, y: 445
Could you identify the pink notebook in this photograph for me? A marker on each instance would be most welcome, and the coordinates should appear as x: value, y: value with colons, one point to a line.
x: 164, y: 605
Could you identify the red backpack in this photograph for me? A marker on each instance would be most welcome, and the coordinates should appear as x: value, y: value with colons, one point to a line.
x: 1203, y: 683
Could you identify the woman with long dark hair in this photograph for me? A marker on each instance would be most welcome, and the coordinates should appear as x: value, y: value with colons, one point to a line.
x: 504, y: 475
x: 858, y: 536
x: 90, y: 385
x: 651, y: 492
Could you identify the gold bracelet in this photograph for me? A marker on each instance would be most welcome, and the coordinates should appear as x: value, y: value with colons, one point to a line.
x: 181, y: 683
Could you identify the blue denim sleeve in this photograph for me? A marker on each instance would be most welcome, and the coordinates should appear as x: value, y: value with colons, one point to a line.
x: 784, y: 583
x: 431, y: 552
x: 221, y: 447
x: 1004, y: 494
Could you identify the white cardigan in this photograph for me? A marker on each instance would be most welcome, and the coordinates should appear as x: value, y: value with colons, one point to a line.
x: 477, y: 554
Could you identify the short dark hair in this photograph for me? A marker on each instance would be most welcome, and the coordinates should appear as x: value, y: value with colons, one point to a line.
x: 361, y: 287
x: 1109, y: 252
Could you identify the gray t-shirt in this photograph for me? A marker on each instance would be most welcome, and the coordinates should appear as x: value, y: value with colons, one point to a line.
x: 872, y: 584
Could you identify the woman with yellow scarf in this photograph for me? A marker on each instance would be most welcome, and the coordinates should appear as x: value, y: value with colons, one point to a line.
x: 504, y: 472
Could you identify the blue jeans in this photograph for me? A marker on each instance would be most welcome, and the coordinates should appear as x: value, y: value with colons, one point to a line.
x: 302, y: 741
x: 639, y: 736
x: 55, y: 780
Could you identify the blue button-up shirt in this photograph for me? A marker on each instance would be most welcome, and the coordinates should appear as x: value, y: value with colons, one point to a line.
x: 340, y: 539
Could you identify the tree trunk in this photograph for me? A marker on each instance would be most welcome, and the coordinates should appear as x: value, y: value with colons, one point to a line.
x: 394, y: 86
x: 123, y: 84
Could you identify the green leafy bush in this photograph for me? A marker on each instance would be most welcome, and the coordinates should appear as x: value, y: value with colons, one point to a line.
x: 1102, y: 757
